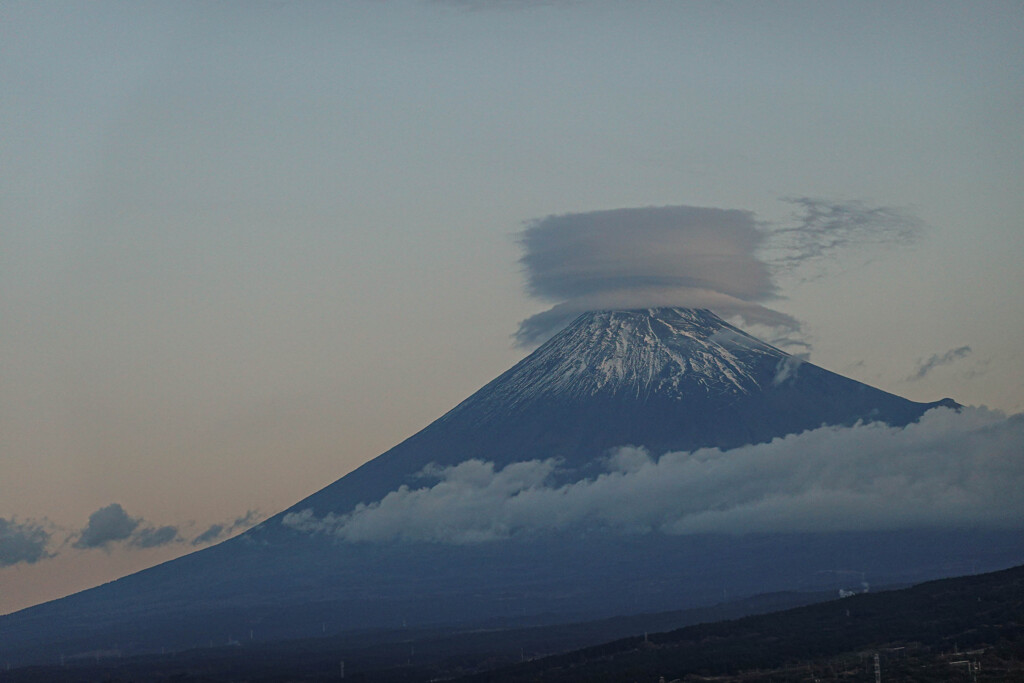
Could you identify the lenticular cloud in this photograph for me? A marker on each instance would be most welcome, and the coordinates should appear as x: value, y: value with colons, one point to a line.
x: 950, y: 469
x: 686, y: 256
x: 690, y: 257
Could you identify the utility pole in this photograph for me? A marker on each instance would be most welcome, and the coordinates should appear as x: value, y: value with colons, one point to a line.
x: 878, y: 670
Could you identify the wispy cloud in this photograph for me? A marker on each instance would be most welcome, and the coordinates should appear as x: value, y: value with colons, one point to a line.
x: 22, y: 542
x: 212, y: 533
x: 820, y: 228
x: 221, y: 530
x: 949, y: 469
x: 788, y: 369
x: 154, y: 537
x: 938, y: 360
x: 108, y: 528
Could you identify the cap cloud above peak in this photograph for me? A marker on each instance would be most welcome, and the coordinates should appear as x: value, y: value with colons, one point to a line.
x: 688, y: 256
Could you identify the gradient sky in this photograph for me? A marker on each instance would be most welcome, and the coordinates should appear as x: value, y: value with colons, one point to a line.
x: 247, y: 246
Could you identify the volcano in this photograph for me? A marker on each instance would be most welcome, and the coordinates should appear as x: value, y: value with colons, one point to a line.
x: 667, y: 379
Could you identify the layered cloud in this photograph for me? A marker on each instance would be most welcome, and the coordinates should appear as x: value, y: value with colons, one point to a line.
x: 22, y: 542
x: 950, y: 469
x: 696, y: 257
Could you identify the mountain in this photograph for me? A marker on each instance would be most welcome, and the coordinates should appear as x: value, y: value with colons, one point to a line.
x: 667, y: 379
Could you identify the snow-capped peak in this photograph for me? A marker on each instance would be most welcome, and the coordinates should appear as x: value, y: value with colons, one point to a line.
x: 669, y: 352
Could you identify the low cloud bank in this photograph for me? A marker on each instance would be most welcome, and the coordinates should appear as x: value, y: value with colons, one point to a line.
x: 22, y: 542
x: 694, y: 257
x: 951, y: 469
x: 109, y: 528
x: 112, y: 525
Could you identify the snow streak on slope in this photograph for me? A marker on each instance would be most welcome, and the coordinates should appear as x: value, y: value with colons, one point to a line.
x: 670, y: 352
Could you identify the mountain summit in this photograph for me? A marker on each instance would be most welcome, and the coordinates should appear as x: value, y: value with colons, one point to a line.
x: 666, y: 379
x: 669, y: 352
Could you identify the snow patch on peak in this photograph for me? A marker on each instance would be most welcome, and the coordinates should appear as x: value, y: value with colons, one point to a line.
x: 665, y: 352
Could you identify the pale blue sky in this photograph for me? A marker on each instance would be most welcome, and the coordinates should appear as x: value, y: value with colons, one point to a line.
x: 248, y: 246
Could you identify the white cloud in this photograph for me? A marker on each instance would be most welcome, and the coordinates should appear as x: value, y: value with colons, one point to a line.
x: 688, y: 256
x: 788, y: 368
x: 949, y: 469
